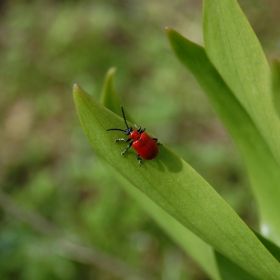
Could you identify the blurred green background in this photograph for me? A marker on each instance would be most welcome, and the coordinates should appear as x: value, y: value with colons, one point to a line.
x: 53, y: 186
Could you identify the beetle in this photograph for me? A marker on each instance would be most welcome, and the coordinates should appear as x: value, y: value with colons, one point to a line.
x: 145, y: 146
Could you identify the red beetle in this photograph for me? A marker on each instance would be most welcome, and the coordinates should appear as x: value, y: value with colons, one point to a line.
x: 145, y: 146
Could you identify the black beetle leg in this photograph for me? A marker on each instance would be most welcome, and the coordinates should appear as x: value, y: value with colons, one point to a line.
x: 129, y: 145
x: 138, y: 127
x: 139, y: 159
x: 155, y: 139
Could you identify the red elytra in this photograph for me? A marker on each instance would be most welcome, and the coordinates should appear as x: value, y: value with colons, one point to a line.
x: 145, y: 146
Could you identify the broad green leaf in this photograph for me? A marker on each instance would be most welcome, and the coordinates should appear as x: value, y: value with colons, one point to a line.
x: 201, y: 252
x: 179, y: 190
x: 235, y: 51
x: 264, y: 178
x: 276, y: 84
x: 270, y: 246
x: 229, y: 270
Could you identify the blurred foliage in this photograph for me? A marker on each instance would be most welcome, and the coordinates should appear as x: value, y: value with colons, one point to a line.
x: 46, y: 163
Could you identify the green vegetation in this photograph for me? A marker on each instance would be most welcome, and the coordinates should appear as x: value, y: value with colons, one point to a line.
x: 65, y: 214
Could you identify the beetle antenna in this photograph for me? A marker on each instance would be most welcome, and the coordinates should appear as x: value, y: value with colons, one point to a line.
x: 116, y: 129
x: 124, y: 117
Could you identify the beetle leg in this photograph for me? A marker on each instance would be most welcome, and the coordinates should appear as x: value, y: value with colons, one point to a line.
x: 141, y: 130
x: 155, y: 139
x: 122, y: 139
x: 129, y: 145
x: 139, y: 159
x: 138, y: 127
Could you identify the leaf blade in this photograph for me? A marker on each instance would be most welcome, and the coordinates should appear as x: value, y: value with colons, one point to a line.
x: 236, y: 53
x: 253, y: 150
x: 197, y: 249
x: 179, y: 190
x: 276, y: 84
x: 201, y: 252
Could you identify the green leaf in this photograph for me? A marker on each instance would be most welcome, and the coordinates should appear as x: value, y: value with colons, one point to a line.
x: 270, y: 246
x: 276, y: 84
x: 236, y: 53
x: 109, y: 97
x: 201, y: 252
x: 112, y: 100
x: 179, y: 190
x: 229, y: 270
x: 264, y: 178
x: 197, y: 249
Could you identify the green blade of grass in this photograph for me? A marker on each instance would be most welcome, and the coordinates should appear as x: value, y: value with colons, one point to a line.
x: 235, y: 51
x: 201, y: 252
x: 254, y: 151
x: 179, y: 190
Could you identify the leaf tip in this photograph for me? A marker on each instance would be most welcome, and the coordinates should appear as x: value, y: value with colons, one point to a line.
x: 109, y: 76
x: 172, y: 35
x: 111, y: 71
x: 76, y: 87
x: 168, y: 30
x: 78, y: 92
